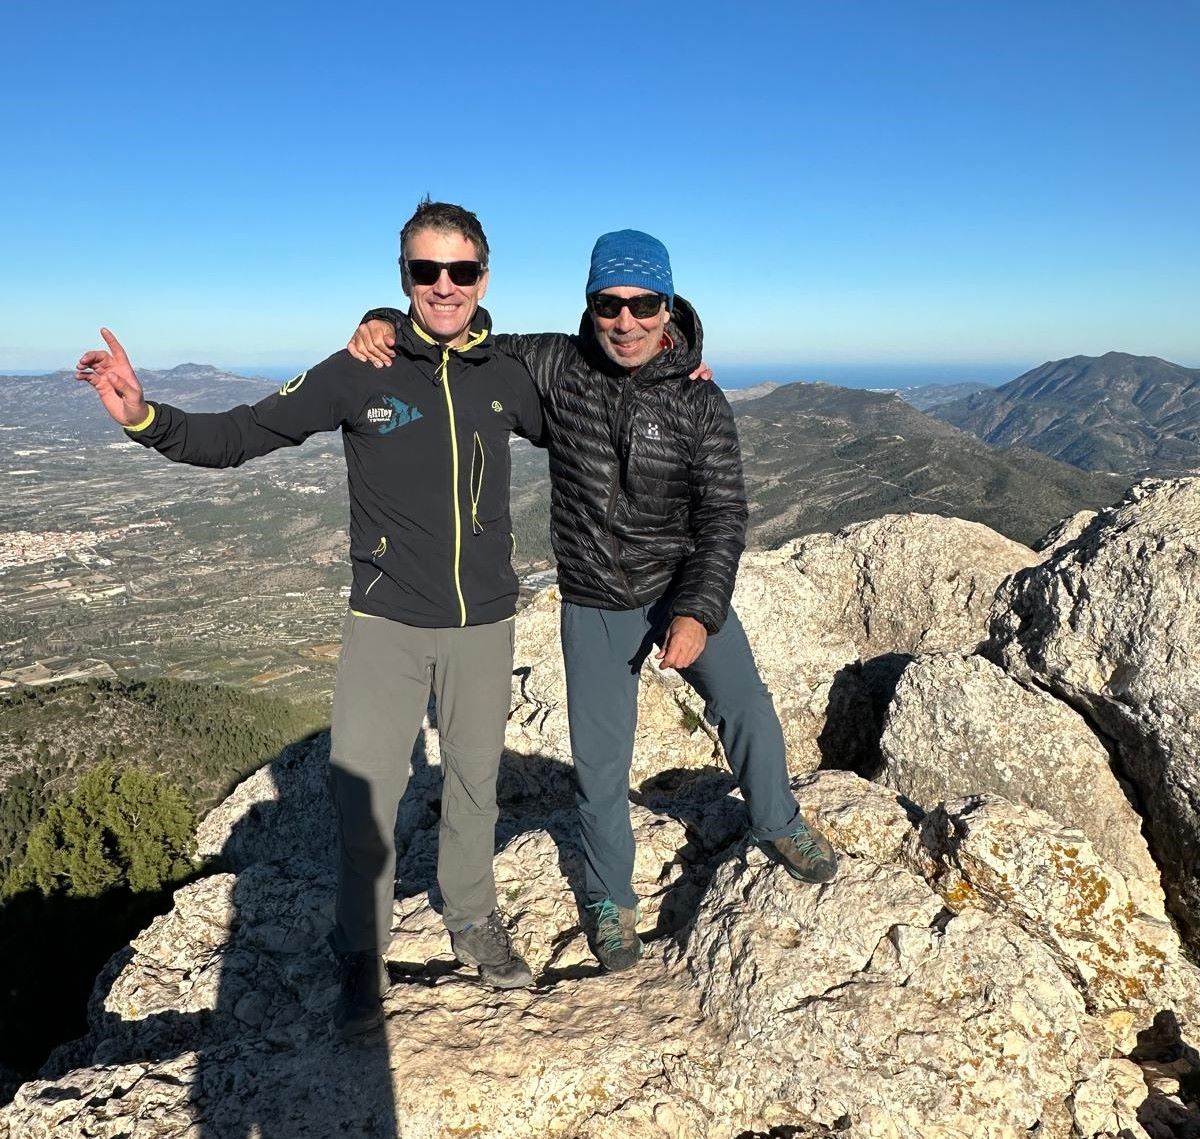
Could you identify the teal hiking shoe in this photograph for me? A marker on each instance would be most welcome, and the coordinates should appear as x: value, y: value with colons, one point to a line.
x: 488, y: 945
x: 614, y: 940
x: 805, y: 854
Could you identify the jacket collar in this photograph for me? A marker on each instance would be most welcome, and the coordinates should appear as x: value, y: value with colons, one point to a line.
x: 416, y: 343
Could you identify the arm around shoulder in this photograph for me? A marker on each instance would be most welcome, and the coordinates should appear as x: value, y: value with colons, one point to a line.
x: 544, y: 354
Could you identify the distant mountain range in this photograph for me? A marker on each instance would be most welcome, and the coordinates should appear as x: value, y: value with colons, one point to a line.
x: 818, y: 457
x: 1135, y: 415
x: 68, y: 405
x: 921, y: 396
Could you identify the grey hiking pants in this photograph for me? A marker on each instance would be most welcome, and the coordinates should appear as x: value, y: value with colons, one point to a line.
x: 385, y: 673
x: 604, y: 650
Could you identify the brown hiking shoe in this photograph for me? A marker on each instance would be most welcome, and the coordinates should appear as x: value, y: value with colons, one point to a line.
x: 805, y: 854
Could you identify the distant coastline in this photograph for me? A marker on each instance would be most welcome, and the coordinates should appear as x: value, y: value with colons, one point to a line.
x: 868, y: 375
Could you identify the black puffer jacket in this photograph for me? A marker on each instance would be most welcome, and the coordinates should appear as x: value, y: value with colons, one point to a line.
x: 646, y: 474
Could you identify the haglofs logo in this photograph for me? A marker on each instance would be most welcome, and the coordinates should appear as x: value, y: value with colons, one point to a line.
x: 652, y: 431
x: 293, y: 384
x: 395, y: 413
x: 497, y: 406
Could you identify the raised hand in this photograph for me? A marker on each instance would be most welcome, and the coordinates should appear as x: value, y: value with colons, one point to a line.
x: 373, y: 343
x: 113, y: 377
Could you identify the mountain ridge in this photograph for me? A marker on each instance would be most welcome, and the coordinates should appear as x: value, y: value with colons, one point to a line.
x: 1135, y: 415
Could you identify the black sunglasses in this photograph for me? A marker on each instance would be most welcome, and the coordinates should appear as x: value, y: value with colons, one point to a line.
x: 462, y: 273
x: 609, y: 307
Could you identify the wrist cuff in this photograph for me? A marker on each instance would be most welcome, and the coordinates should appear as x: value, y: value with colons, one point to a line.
x: 144, y: 423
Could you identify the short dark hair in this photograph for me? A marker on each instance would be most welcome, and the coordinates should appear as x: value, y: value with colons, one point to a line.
x: 446, y: 217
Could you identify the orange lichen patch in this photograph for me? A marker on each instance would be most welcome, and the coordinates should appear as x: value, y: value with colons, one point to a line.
x: 960, y: 895
x: 1087, y: 886
x: 1148, y: 950
x: 1129, y: 988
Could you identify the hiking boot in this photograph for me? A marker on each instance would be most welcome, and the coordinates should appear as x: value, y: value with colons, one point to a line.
x: 615, y: 941
x: 362, y: 979
x: 805, y: 854
x: 488, y: 945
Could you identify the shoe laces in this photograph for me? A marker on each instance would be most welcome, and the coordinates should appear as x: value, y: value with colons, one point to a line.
x: 608, y: 924
x: 494, y: 927
x: 802, y: 839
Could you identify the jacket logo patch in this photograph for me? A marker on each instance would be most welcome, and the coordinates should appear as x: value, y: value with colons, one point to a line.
x: 395, y: 413
x: 293, y: 384
x: 651, y: 431
x: 497, y: 406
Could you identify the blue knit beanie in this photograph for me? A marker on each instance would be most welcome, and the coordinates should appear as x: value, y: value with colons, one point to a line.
x: 630, y: 257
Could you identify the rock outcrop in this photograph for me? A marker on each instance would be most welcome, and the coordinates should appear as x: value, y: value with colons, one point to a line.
x: 993, y: 960
x: 1110, y: 623
x: 958, y: 725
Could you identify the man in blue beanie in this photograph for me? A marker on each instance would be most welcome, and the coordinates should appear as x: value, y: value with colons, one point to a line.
x: 648, y: 521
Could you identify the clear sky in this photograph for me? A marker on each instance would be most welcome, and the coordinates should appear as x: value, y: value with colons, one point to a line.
x: 962, y: 185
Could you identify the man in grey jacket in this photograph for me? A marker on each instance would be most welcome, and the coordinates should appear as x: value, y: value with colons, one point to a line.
x: 648, y: 519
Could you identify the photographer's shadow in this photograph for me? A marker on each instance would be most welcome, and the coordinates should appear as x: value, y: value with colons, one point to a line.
x: 229, y: 996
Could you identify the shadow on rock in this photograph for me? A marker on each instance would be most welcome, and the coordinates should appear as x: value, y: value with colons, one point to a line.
x: 1171, y: 1068
x: 229, y: 994
x: 858, y: 702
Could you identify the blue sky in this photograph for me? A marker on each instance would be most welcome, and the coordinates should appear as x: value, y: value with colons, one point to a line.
x: 974, y: 188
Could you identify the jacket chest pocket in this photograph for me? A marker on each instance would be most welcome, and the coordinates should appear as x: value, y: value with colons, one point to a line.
x: 487, y: 479
x: 656, y: 468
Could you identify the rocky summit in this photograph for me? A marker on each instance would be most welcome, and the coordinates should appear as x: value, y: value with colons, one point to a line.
x: 1002, y: 744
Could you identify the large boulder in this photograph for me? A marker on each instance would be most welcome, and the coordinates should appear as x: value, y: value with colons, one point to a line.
x: 833, y: 618
x: 1111, y: 624
x: 959, y: 726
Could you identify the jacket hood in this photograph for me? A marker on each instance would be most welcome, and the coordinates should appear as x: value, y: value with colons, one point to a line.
x: 682, y: 358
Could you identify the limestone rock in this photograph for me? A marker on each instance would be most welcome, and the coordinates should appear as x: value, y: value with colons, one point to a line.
x: 860, y: 999
x: 959, y: 726
x: 1107, y: 1102
x: 1111, y: 623
x: 1065, y: 532
x: 991, y: 854
x: 983, y: 971
x: 881, y: 1004
x: 833, y: 618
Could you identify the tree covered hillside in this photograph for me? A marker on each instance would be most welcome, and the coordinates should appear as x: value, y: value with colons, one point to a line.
x: 201, y: 738
x: 101, y: 786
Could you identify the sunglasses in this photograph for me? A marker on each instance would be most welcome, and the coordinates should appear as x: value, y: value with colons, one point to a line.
x: 462, y: 273
x: 641, y: 307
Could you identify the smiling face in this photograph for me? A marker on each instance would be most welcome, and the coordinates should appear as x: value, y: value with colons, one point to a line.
x: 624, y: 338
x: 444, y: 310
